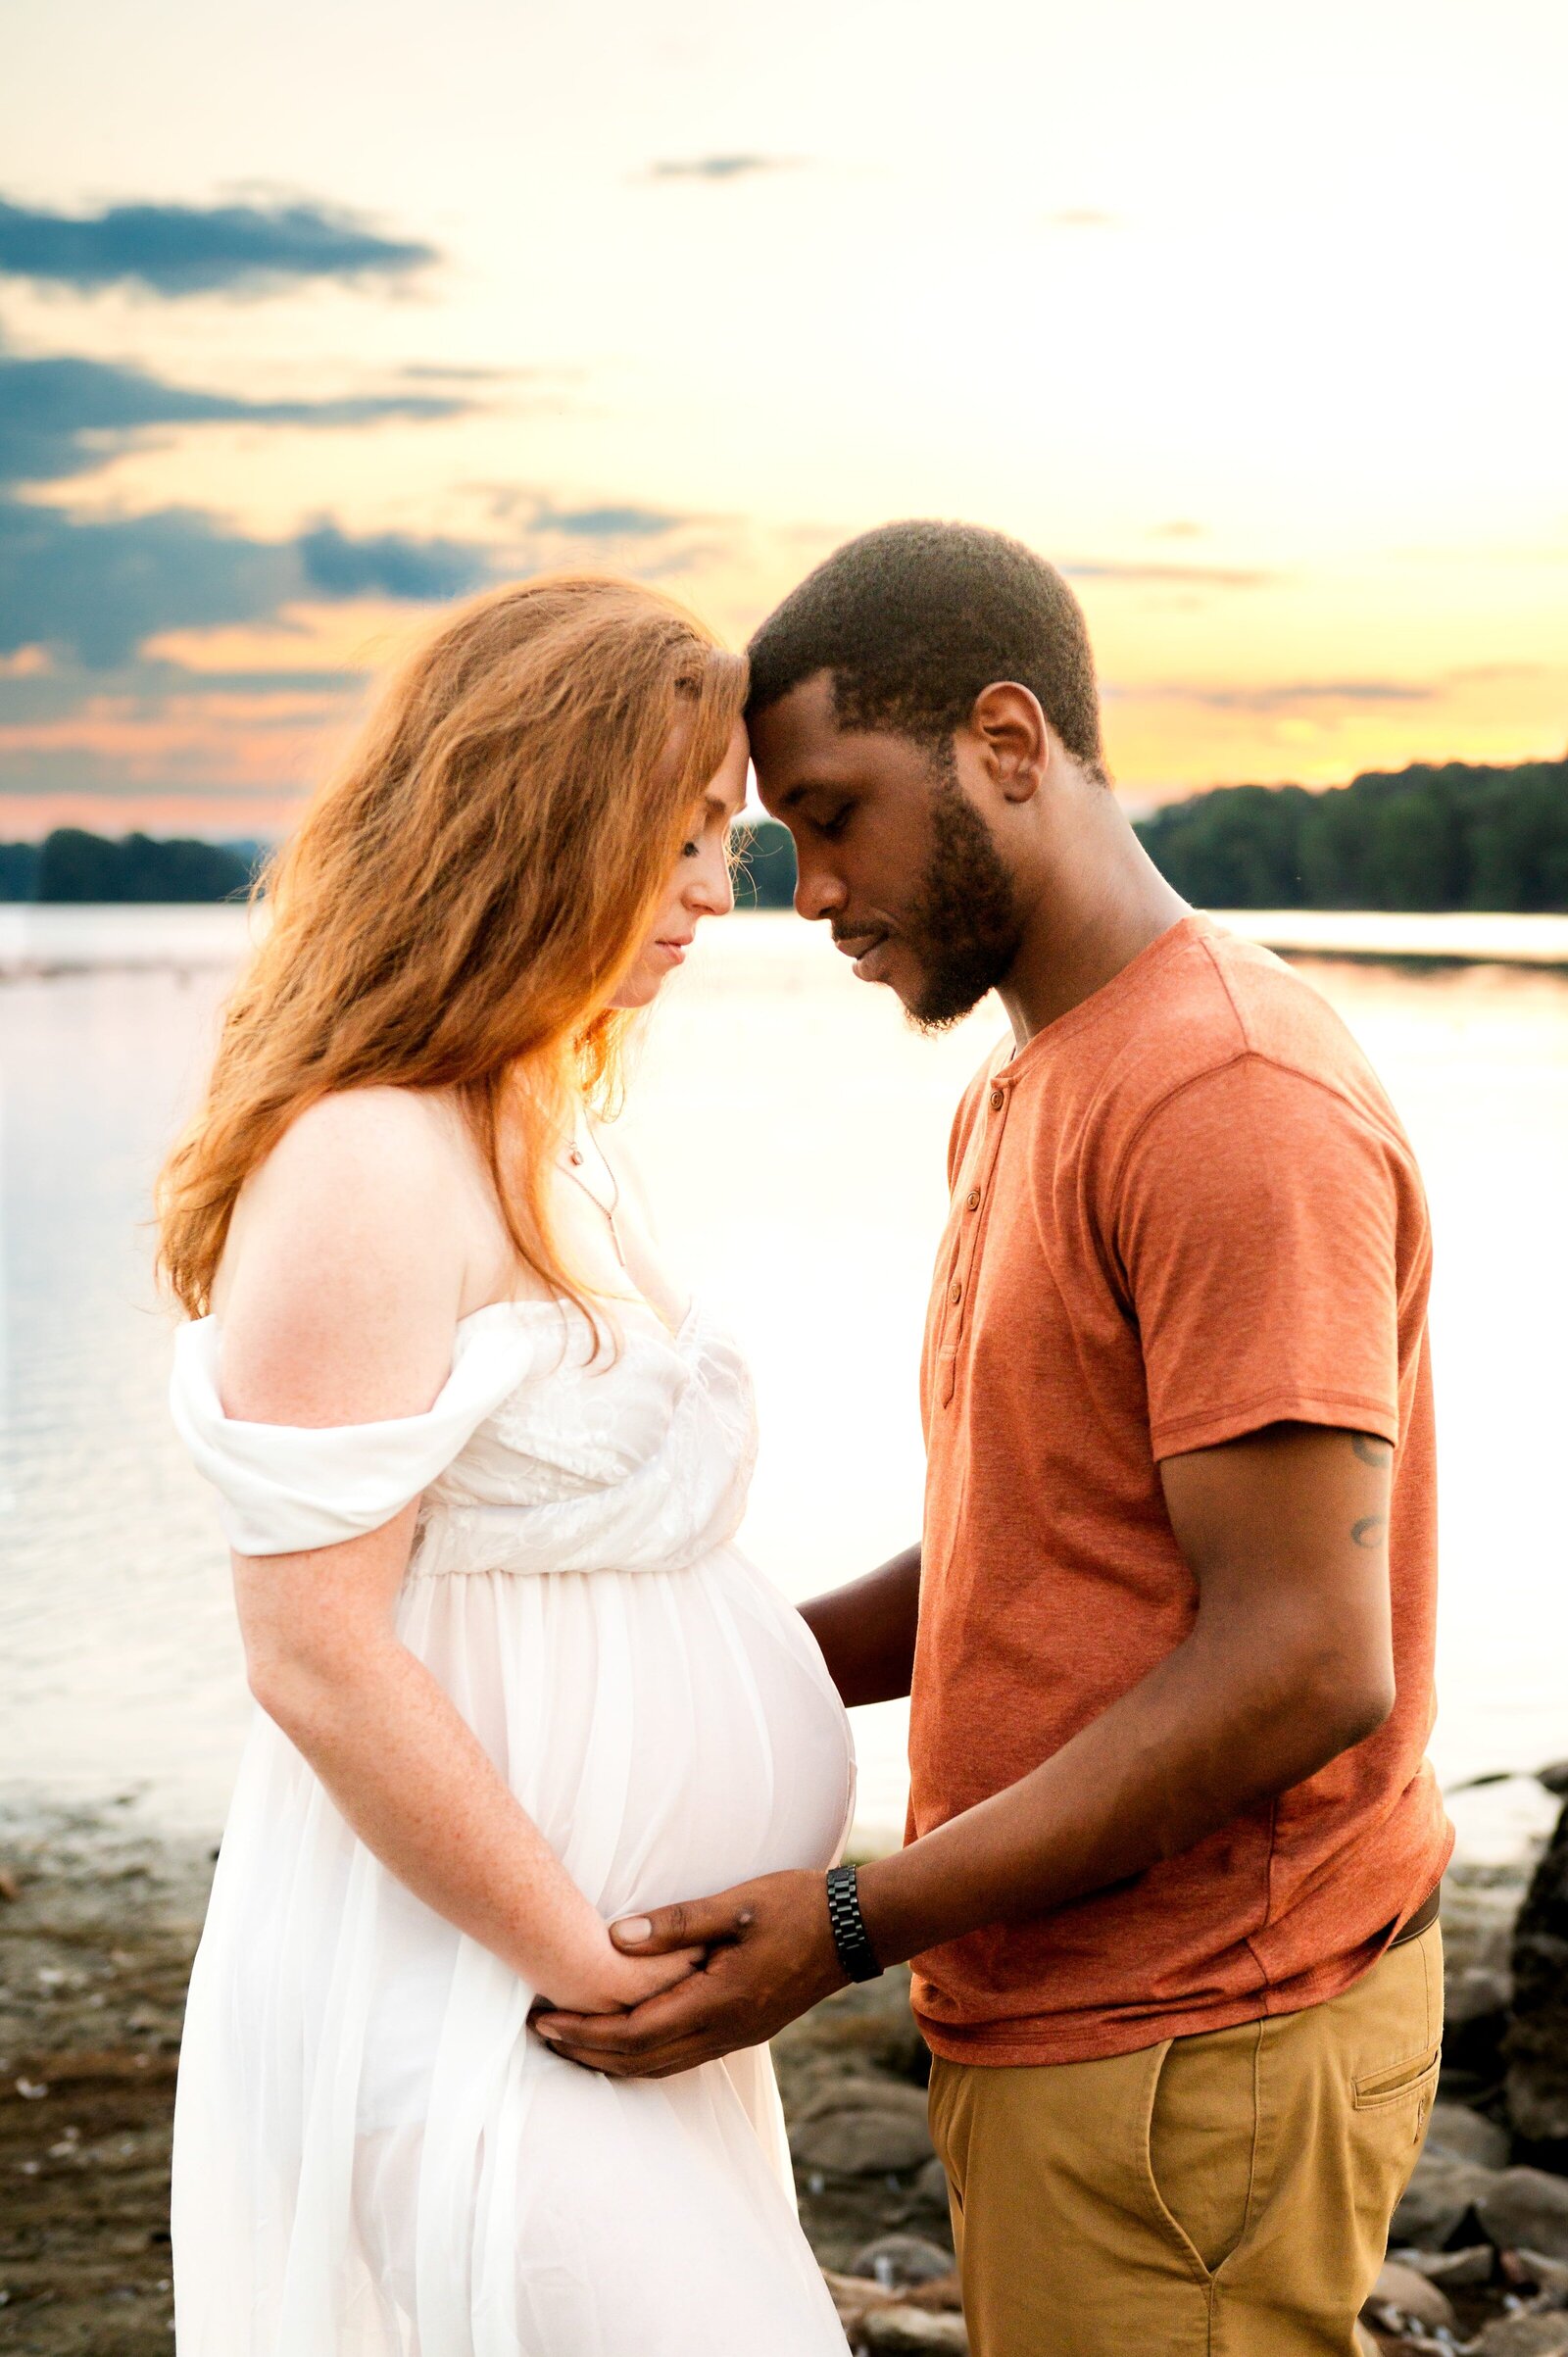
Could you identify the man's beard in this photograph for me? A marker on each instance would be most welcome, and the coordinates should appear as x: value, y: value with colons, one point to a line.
x: 963, y: 926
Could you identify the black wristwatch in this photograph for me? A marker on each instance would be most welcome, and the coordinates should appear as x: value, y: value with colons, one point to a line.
x: 850, y: 1934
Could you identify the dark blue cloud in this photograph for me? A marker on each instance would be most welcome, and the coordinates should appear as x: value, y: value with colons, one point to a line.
x: 62, y: 415
x: 387, y: 565
x: 194, y: 250
x: 95, y: 590
x: 99, y: 588
x: 605, y: 523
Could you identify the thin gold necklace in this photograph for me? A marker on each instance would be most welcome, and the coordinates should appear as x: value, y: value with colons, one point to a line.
x: 571, y: 1163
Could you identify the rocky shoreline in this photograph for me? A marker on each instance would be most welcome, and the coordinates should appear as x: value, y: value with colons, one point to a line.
x: 99, y: 1918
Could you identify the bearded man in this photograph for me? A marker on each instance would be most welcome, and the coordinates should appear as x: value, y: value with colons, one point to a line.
x: 1173, y: 1848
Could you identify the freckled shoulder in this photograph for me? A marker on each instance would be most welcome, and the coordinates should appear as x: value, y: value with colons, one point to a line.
x: 389, y: 1147
x: 369, y: 1192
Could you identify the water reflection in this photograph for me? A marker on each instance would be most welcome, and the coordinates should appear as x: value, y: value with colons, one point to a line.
x: 793, y: 1135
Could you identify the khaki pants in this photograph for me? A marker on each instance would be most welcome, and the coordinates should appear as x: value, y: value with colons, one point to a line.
x: 1224, y: 2195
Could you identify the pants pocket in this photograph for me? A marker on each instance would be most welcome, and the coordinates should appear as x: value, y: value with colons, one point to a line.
x: 1203, y: 2134
x: 1398, y: 2081
x: 946, y: 2098
x: 1401, y: 2097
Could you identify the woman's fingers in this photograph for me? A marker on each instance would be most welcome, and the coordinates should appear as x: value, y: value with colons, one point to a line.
x: 680, y: 2013
x: 669, y: 1970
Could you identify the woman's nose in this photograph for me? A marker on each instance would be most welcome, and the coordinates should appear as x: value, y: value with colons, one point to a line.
x: 712, y: 890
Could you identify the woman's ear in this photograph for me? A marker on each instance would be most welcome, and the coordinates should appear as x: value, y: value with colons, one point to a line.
x: 1013, y: 730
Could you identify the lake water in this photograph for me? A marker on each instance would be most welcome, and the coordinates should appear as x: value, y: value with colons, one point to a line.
x: 793, y: 1133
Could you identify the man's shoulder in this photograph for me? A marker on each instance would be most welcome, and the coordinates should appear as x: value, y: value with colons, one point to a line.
x: 1222, y: 1002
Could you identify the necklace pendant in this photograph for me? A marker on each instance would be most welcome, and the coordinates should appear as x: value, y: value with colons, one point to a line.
x: 574, y: 1156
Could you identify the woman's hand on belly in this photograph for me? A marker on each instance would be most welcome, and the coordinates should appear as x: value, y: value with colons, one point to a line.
x: 604, y: 1981
x: 769, y: 1954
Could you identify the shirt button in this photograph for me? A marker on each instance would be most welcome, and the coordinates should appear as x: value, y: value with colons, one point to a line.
x: 995, y: 1100
x: 957, y: 1293
x: 972, y: 1199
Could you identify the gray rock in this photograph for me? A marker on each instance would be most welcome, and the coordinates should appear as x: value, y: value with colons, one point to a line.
x: 862, y: 2128
x: 916, y: 2332
x: 1480, y: 1907
x: 1453, y: 2269
x: 895, y: 2260
x: 1400, y: 2292
x: 1524, y: 2209
x: 1456, y: 2130
x: 1537, y: 2045
x: 1473, y: 1993
x: 866, y: 2026
x: 1525, y: 2337
x: 855, y: 2297
x: 1438, y: 2197
x: 931, y: 2186
x: 1547, y: 2277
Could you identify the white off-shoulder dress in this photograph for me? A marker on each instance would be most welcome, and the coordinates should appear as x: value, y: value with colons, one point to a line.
x: 374, y: 2155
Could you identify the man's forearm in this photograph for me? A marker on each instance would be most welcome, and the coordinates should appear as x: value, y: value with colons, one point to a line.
x: 867, y: 1630
x: 1192, y: 1748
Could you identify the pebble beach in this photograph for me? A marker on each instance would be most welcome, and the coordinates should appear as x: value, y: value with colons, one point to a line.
x: 99, y: 1920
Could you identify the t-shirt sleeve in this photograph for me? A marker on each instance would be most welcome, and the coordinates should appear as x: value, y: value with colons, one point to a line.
x: 1256, y: 1218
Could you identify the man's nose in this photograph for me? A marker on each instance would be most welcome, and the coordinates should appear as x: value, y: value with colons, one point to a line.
x: 818, y: 892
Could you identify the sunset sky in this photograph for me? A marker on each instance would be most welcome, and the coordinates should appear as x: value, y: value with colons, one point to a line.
x: 1255, y: 320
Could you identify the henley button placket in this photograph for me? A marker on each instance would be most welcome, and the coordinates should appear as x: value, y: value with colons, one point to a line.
x: 969, y: 1239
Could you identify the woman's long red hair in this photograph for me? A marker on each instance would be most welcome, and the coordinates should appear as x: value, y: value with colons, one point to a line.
x: 457, y: 908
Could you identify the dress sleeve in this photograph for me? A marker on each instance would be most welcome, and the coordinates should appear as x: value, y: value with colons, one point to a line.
x: 285, y: 1488
x: 1261, y: 1222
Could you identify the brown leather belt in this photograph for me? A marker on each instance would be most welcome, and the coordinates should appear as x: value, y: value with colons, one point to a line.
x: 1425, y: 1916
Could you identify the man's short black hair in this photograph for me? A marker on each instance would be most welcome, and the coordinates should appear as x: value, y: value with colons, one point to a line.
x: 914, y: 619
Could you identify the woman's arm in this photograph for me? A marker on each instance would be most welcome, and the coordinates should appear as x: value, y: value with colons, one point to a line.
x: 360, y: 1248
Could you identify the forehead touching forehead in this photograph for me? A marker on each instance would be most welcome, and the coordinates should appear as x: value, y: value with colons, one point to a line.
x: 723, y: 797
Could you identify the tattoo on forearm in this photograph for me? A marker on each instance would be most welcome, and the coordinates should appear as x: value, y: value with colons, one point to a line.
x: 1368, y: 1532
x: 1371, y: 1451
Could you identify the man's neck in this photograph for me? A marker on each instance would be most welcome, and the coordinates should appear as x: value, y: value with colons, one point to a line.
x: 1096, y: 910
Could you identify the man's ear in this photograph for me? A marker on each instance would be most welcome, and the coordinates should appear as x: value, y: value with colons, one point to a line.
x: 1016, y: 736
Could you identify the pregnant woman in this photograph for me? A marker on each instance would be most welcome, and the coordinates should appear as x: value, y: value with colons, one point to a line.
x: 481, y: 1466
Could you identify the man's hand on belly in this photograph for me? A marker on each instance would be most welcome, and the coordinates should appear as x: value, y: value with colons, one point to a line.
x: 770, y: 1957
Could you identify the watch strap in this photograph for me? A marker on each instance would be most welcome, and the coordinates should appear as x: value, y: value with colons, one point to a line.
x: 850, y: 1938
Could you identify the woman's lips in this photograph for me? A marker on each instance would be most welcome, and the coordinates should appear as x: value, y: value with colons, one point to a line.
x: 675, y: 951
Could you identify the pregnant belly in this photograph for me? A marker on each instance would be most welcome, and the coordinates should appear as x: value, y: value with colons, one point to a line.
x: 669, y: 1733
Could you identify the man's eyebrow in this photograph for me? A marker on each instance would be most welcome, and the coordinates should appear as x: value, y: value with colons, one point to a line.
x: 807, y: 785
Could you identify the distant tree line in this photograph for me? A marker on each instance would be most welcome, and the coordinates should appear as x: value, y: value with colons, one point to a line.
x: 1454, y: 837
x: 71, y: 864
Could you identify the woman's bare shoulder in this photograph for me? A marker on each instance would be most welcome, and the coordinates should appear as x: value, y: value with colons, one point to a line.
x: 395, y: 1140
x: 361, y: 1222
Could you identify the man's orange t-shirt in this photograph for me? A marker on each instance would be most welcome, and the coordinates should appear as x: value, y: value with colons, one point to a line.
x: 1183, y: 1211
